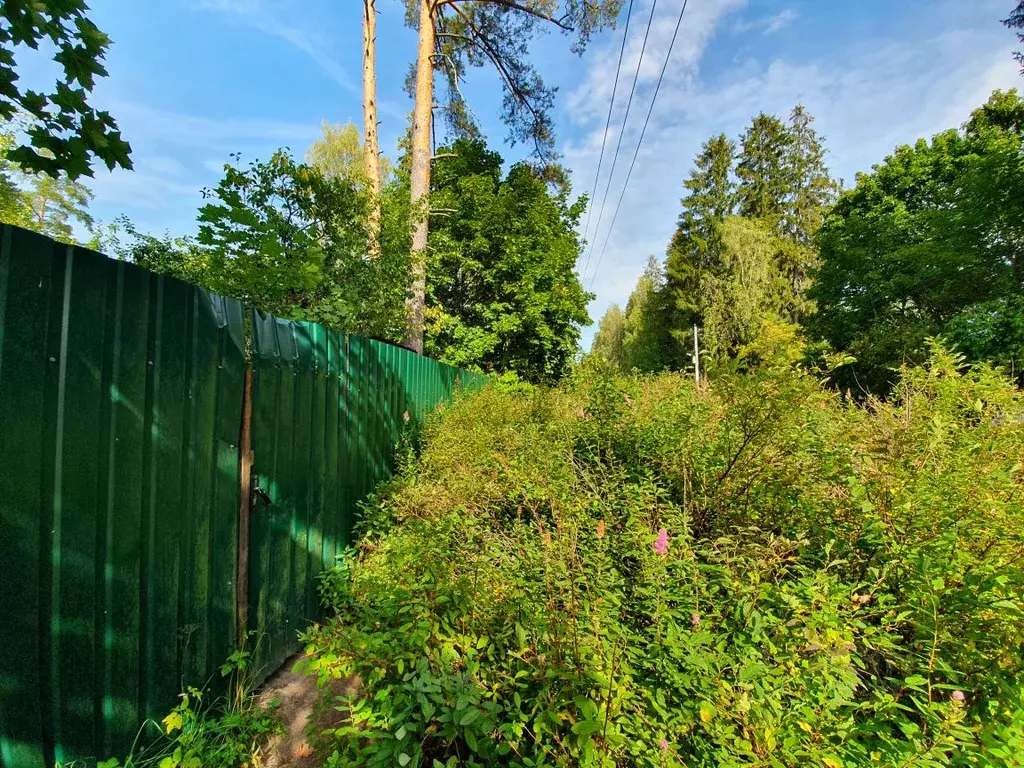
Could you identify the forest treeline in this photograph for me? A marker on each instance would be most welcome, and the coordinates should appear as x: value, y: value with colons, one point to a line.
x: 449, y: 251
x: 289, y: 235
x: 928, y: 243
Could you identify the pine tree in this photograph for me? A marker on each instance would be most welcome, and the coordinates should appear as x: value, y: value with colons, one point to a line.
x: 454, y: 35
x: 696, y: 247
x: 1016, y: 21
x: 763, y: 169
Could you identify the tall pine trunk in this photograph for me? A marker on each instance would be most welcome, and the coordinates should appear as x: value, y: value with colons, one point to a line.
x: 371, y: 145
x: 420, y: 180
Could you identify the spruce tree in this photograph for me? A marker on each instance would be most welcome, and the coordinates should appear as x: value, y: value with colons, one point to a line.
x: 811, y: 192
x: 763, y: 169
x: 696, y: 247
x: 812, y: 189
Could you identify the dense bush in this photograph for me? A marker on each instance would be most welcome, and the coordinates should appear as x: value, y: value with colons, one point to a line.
x: 639, y: 571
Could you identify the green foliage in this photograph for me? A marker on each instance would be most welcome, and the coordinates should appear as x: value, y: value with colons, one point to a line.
x: 503, y: 291
x: 283, y: 237
x: 646, y: 342
x: 762, y: 170
x: 608, y: 340
x: 338, y: 154
x: 65, y: 134
x: 54, y: 203
x: 754, y: 286
x: 644, y: 572
x: 197, y: 734
x: 1016, y: 21
x: 930, y: 242
x: 178, y: 257
x: 744, y: 247
x: 696, y: 248
x: 36, y: 201
x: 13, y: 209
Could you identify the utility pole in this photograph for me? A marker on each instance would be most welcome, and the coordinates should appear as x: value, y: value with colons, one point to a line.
x: 696, y: 356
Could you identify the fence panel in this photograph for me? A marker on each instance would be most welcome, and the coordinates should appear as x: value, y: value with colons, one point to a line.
x: 119, y: 414
x: 121, y: 398
x: 328, y: 412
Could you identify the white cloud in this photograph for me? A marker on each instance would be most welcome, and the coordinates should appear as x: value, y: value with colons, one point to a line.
x: 867, y: 96
x: 780, y: 20
x: 766, y: 25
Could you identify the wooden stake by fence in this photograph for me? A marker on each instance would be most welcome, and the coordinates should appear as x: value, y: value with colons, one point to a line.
x: 245, y: 458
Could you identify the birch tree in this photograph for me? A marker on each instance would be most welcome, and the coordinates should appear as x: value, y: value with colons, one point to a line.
x: 455, y: 35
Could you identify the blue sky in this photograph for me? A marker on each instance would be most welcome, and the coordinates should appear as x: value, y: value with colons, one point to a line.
x: 194, y: 80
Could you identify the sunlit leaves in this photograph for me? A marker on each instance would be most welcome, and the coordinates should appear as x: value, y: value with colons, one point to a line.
x: 66, y: 135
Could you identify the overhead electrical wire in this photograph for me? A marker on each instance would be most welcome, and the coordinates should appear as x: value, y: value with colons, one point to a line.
x: 608, y: 122
x: 618, y: 143
x: 643, y: 132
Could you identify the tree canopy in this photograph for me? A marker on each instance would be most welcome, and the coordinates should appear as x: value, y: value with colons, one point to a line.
x: 504, y: 294
x: 1016, y: 21
x: 930, y: 242
x: 744, y: 244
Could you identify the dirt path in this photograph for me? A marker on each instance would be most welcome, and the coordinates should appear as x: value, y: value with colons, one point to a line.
x: 297, y: 696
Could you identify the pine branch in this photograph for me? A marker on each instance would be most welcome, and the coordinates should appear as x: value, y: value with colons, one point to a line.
x: 560, y: 23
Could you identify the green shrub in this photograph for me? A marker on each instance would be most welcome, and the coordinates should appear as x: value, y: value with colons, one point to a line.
x: 642, y: 572
x: 229, y: 732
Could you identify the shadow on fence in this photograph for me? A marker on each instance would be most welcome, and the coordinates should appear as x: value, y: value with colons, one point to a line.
x: 120, y: 408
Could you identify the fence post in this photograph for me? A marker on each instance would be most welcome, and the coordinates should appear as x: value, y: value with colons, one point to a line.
x: 245, y: 459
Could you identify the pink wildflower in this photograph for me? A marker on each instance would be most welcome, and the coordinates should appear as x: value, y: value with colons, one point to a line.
x: 695, y: 620
x: 957, y: 696
x: 664, y: 745
x: 661, y: 543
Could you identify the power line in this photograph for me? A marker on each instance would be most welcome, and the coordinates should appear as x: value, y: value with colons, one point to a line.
x: 643, y: 133
x: 608, y: 122
x: 618, y: 143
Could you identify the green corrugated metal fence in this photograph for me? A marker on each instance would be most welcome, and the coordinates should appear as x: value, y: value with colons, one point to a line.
x: 328, y: 410
x: 121, y: 400
x: 118, y: 495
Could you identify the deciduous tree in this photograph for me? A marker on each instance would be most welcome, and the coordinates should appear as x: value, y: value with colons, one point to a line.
x: 66, y: 134
x: 930, y: 242
x: 504, y: 292
x: 609, y: 337
x: 55, y: 203
x: 646, y: 338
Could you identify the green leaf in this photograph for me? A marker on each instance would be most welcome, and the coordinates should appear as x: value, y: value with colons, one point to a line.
x: 586, y: 727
